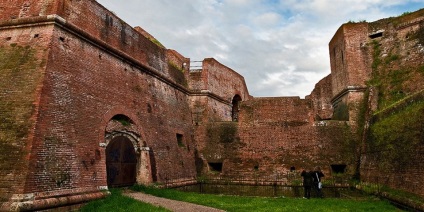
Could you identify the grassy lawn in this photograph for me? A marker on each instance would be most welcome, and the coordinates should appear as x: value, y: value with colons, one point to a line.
x: 239, y: 203
x: 117, y: 202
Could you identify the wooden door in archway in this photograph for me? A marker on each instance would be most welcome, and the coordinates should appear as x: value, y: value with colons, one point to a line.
x: 121, y: 162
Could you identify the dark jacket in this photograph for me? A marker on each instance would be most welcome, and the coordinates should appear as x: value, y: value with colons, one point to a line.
x: 307, y: 178
x: 317, y: 175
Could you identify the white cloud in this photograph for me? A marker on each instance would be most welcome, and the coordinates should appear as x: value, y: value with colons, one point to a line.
x: 279, y: 46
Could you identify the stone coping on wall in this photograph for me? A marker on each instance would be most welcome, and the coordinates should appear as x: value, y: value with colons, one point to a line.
x: 325, y: 123
x: 347, y: 90
x: 53, y: 199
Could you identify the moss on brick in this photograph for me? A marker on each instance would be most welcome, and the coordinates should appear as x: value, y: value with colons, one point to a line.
x: 18, y: 79
x: 222, y: 141
x: 341, y: 112
x: 395, y: 137
x: 224, y: 132
x: 177, y: 74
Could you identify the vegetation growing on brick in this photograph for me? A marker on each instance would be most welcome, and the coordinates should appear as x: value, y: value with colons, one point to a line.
x: 223, y: 132
x: 340, y: 138
x: 177, y: 73
x: 18, y: 82
x: 341, y: 112
x: 392, y: 78
x: 221, y: 141
x: 395, y: 138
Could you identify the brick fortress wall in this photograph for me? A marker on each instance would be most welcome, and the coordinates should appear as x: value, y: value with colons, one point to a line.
x: 395, y: 49
x: 75, y: 82
x: 377, y: 82
x: 86, y: 71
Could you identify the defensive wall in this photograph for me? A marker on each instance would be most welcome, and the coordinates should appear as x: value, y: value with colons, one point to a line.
x: 72, y: 86
x: 377, y: 71
x: 89, y: 103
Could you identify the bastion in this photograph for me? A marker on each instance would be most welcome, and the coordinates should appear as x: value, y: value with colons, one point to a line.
x: 88, y: 103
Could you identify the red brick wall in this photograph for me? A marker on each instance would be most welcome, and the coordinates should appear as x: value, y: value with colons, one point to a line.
x: 77, y: 95
x: 400, y: 61
x: 81, y: 84
x: 23, y: 52
x: 275, y: 134
x: 213, y: 87
x: 321, y: 99
x: 348, y: 58
x: 223, y: 81
x: 99, y: 23
x: 14, y: 9
x: 94, y: 66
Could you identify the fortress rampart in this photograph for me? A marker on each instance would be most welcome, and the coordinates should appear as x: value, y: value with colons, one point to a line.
x: 88, y: 103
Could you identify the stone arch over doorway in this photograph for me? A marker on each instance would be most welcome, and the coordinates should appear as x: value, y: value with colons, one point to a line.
x: 122, y: 142
x: 120, y: 121
x: 236, y: 107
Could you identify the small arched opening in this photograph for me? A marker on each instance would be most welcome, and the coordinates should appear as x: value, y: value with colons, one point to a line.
x: 236, y: 107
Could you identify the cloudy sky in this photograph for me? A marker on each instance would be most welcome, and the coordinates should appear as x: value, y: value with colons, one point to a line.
x: 279, y: 46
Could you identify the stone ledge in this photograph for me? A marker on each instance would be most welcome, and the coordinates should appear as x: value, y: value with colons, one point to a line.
x: 30, y: 202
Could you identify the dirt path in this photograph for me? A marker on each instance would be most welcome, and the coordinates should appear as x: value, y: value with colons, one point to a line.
x: 172, y: 205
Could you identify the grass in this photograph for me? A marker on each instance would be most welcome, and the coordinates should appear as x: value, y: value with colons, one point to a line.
x: 117, y: 202
x: 239, y: 203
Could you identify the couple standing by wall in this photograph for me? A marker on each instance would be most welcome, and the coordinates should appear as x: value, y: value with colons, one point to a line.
x: 312, y: 179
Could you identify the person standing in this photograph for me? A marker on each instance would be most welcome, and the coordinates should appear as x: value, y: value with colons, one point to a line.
x: 307, y: 183
x: 317, y: 176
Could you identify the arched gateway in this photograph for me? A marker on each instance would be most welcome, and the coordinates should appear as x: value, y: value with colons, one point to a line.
x: 121, y: 162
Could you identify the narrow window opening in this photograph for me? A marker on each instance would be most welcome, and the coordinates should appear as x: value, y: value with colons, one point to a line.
x: 338, y: 168
x: 376, y: 35
x: 36, y: 35
x: 236, y: 107
x: 111, y: 21
x: 215, y: 167
x: 292, y: 169
x: 256, y: 168
x: 180, y: 140
x: 149, y: 108
x: 9, y: 38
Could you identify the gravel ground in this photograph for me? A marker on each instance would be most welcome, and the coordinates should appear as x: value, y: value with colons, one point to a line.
x: 172, y: 205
